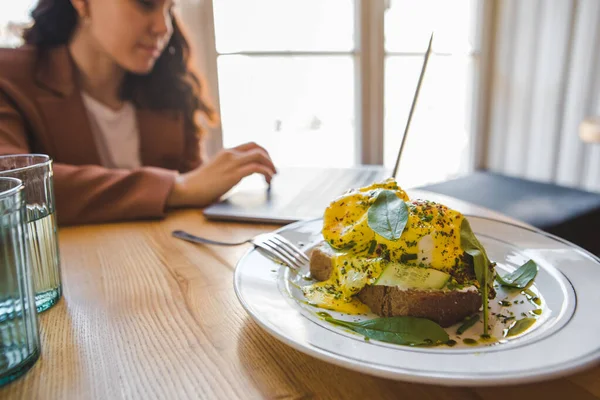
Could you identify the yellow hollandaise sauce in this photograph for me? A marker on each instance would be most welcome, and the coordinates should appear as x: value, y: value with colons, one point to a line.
x: 431, y: 239
x: 349, y: 275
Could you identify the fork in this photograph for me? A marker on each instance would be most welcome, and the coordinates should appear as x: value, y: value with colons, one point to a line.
x: 272, y: 243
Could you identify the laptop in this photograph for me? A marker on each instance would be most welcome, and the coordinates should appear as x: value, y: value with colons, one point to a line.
x: 304, y: 193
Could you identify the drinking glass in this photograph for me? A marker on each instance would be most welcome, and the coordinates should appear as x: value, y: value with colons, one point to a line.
x: 19, y: 337
x: 35, y: 171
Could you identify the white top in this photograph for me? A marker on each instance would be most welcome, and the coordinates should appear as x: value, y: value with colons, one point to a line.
x: 115, y: 133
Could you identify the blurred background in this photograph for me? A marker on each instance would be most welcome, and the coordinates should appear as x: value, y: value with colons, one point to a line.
x: 330, y: 82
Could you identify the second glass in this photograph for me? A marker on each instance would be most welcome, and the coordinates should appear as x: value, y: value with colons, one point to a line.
x: 35, y: 170
x: 19, y: 336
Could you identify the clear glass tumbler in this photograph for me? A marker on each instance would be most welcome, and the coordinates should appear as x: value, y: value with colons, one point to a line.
x: 35, y: 171
x: 19, y: 337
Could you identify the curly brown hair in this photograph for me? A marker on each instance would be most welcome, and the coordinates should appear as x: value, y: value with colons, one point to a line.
x: 171, y: 85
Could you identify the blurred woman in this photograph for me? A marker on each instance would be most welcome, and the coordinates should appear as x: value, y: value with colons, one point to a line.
x: 104, y: 87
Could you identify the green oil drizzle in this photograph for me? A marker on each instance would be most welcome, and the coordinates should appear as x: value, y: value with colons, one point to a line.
x: 531, y: 296
x: 488, y: 339
x: 520, y: 326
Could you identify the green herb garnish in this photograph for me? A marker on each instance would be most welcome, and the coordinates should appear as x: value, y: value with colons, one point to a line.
x: 467, y: 323
x: 372, y: 246
x: 404, y: 258
x: 388, y: 215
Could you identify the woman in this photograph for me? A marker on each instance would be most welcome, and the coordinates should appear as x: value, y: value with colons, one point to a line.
x: 104, y: 88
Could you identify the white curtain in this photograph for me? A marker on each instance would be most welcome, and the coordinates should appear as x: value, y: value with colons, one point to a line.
x: 545, y: 81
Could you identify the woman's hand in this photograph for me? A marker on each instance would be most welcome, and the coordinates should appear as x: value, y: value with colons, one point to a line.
x: 207, y: 183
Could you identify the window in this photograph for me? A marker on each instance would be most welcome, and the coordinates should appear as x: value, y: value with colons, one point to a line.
x: 14, y: 15
x: 330, y: 82
x: 286, y: 78
x: 438, y: 146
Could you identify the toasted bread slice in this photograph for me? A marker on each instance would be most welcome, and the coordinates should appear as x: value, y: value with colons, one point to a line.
x: 446, y: 307
x: 321, y: 261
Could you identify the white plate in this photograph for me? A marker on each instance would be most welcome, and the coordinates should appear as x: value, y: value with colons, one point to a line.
x: 565, y: 338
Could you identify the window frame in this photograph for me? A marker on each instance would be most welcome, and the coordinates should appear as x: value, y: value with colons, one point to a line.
x: 369, y: 61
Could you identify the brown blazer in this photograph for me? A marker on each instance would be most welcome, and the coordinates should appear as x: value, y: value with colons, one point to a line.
x: 41, y: 111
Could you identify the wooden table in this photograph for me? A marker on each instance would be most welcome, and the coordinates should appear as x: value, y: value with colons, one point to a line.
x: 151, y: 317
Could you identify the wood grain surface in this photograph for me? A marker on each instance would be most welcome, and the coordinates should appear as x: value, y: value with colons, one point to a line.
x: 147, y: 316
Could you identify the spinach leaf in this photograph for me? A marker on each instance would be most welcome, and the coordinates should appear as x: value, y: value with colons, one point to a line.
x: 388, y: 215
x: 481, y: 263
x: 470, y: 244
x: 410, y: 331
x: 520, y: 278
x: 467, y: 323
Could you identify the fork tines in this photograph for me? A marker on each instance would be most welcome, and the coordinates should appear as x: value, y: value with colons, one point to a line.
x: 290, y: 247
x: 281, y: 248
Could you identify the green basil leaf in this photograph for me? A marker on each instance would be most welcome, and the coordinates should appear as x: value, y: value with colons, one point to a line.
x: 520, y: 278
x: 410, y: 331
x: 479, y: 264
x: 388, y: 215
x: 470, y: 245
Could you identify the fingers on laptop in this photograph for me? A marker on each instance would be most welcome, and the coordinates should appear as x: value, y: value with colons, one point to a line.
x: 253, y: 148
x: 254, y: 159
x: 258, y: 168
x: 257, y: 156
